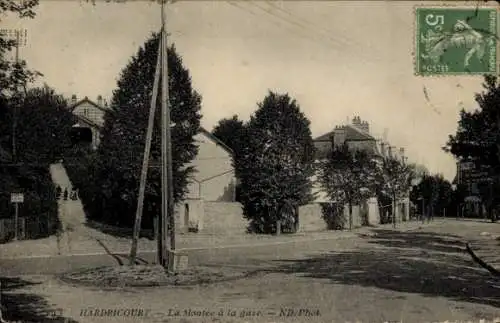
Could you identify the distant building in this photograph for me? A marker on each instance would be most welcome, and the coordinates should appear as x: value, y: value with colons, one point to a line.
x: 357, y: 137
x: 90, y: 115
x: 469, y: 177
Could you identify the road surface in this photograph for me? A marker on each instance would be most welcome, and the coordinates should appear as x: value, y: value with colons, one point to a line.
x: 419, y: 276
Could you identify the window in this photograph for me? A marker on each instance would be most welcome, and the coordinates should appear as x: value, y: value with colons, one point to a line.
x: 86, y: 112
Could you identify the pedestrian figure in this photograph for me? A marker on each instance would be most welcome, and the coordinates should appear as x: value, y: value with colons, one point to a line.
x: 73, y: 194
x: 65, y: 194
x: 58, y: 192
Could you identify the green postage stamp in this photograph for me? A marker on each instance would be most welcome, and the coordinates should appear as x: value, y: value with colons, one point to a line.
x: 456, y: 41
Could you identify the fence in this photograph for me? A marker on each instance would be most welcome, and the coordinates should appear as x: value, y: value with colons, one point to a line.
x: 28, y: 228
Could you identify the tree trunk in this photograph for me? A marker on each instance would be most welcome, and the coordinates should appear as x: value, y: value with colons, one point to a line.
x: 296, y: 215
x: 278, y: 227
x: 1, y: 306
x: 423, y: 210
x: 350, y: 215
x: 394, y: 211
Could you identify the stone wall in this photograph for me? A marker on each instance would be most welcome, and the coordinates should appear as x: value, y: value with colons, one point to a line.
x: 227, y: 217
x: 310, y: 218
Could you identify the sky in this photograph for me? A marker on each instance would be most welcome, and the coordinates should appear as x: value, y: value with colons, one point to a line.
x: 337, y: 59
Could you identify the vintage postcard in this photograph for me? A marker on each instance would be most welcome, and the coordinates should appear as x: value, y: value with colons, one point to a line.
x: 249, y: 161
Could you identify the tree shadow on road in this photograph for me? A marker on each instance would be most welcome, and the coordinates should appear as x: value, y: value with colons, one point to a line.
x: 423, y: 263
x: 447, y: 243
x: 19, y: 306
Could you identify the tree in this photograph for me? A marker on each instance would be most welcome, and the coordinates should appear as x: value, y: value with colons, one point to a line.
x: 44, y: 125
x: 477, y: 139
x: 433, y: 191
x: 14, y: 75
x: 347, y: 177
x: 120, y: 153
x: 478, y: 134
x: 231, y: 132
x: 276, y: 163
x: 394, y: 179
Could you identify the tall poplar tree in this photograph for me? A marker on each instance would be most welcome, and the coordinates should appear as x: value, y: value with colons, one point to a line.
x: 120, y: 153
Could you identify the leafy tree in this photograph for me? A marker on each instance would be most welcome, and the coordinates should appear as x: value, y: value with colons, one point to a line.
x: 477, y: 139
x: 121, y: 149
x: 347, y: 177
x: 435, y: 192
x: 231, y: 132
x: 14, y: 76
x: 394, y: 179
x: 478, y: 134
x: 43, y: 128
x: 44, y: 125
x: 275, y: 166
x: 32, y: 179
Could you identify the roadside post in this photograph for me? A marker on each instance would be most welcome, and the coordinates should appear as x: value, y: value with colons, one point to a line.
x: 16, y: 199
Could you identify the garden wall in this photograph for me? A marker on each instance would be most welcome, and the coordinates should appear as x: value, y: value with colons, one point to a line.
x: 227, y: 218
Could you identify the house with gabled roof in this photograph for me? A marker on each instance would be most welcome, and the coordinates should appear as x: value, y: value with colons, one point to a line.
x: 90, y: 115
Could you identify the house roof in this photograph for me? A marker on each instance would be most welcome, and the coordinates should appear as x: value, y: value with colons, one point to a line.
x: 88, y: 121
x: 352, y: 133
x: 216, y: 140
x: 87, y: 100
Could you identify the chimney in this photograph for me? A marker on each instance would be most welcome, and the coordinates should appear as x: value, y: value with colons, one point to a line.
x: 339, y: 136
x: 361, y: 125
x: 382, y: 148
x: 390, y: 151
x: 99, y: 100
x: 365, y: 127
x: 73, y: 99
x: 402, y: 154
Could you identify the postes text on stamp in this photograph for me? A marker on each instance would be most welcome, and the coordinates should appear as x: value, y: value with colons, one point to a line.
x: 454, y: 41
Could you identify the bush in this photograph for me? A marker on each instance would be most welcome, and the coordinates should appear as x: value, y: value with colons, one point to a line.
x: 333, y: 214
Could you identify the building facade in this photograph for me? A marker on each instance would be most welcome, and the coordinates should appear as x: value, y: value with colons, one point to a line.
x: 90, y: 115
x: 214, y: 179
x: 469, y: 177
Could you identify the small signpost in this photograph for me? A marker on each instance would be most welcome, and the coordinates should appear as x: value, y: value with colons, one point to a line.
x: 16, y: 198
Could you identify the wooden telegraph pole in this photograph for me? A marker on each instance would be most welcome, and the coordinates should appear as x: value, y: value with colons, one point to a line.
x: 145, y: 160
x: 168, y: 221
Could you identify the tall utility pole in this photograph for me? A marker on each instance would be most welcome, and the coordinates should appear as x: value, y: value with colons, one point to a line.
x: 168, y: 220
x: 145, y: 160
